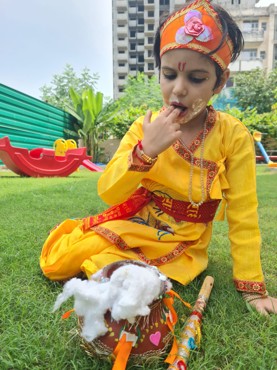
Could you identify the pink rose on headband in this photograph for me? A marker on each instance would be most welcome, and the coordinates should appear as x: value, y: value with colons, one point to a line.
x: 193, y: 28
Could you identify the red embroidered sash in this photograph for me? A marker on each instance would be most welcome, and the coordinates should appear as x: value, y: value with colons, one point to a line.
x: 185, y: 211
x: 179, y: 210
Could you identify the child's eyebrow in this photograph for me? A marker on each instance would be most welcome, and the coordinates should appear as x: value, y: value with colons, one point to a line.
x: 188, y: 71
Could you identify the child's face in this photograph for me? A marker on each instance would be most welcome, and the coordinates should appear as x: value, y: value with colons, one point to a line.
x: 187, y: 81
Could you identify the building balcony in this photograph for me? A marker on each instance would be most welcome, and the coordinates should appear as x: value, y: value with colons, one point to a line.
x: 133, y: 10
x: 149, y: 20
x: 122, y: 44
x: 148, y: 46
x: 133, y: 23
x: 122, y: 57
x: 140, y: 35
x: 122, y: 70
x: 121, y: 4
x: 149, y: 33
x: 121, y: 82
x: 140, y: 47
x: 148, y: 59
x: 122, y: 18
x: 132, y: 61
x: 246, y: 65
x: 149, y: 6
x: 123, y: 30
x: 253, y: 36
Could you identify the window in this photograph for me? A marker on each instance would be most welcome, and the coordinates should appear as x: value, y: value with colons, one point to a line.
x: 262, y: 54
x: 149, y: 53
x: 164, y: 2
x: 121, y: 77
x: 150, y: 1
x: 121, y: 89
x: 150, y: 27
x: 249, y: 54
x: 133, y: 46
x: 141, y: 58
x: 235, y: 2
x: 151, y: 13
x: 132, y: 33
x: 133, y: 68
x: 140, y: 8
x: 150, y: 66
x: 141, y: 21
x: 263, y: 25
x: 121, y: 38
x: 249, y: 26
x: 121, y: 64
x: 150, y: 40
x: 120, y: 51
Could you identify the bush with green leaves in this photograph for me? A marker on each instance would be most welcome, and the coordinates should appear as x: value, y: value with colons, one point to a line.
x: 92, y: 119
x: 57, y: 92
x: 256, y: 89
x: 140, y: 94
x: 266, y: 123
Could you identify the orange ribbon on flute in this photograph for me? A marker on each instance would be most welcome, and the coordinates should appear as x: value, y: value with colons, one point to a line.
x: 191, y: 333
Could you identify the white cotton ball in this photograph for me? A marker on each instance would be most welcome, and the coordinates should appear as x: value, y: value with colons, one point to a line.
x: 69, y: 290
x: 93, y: 327
x: 136, y: 287
x: 91, y: 301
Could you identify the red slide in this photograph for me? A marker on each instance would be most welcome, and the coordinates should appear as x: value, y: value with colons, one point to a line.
x: 40, y: 162
x: 91, y: 166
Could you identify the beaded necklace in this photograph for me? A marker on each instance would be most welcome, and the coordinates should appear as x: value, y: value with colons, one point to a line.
x: 202, y: 185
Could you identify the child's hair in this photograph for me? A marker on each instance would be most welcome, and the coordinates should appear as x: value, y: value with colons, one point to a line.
x: 229, y: 27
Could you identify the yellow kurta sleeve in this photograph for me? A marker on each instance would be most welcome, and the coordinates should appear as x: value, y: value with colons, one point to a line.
x: 120, y: 178
x: 242, y: 212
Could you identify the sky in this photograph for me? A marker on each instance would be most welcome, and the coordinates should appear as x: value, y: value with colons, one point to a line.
x: 39, y: 37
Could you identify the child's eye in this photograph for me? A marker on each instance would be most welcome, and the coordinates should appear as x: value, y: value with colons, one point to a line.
x: 197, y: 80
x: 169, y: 76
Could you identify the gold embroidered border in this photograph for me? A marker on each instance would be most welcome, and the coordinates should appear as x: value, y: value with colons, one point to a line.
x: 175, y: 253
x: 111, y: 236
x: 250, y: 286
x: 184, y: 153
x: 120, y: 243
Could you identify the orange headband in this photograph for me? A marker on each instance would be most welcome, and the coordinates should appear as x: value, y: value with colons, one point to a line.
x: 196, y: 27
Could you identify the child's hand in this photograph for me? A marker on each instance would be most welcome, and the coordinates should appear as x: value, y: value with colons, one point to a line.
x: 265, y: 305
x: 161, y: 133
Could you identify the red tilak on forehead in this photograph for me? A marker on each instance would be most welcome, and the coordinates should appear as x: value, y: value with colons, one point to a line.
x: 181, y: 66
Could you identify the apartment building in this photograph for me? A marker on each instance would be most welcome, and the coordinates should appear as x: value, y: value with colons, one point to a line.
x: 135, y: 22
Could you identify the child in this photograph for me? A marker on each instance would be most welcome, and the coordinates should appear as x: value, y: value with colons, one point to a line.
x: 173, y: 168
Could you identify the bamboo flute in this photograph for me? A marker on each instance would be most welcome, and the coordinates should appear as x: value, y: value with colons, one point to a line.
x: 192, y: 327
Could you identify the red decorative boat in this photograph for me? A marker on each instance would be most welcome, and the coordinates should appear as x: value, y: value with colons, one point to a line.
x: 41, y: 162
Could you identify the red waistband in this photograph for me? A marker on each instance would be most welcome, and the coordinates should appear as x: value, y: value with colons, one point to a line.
x: 185, y: 211
x: 179, y: 210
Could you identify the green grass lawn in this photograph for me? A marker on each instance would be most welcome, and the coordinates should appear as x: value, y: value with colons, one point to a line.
x: 31, y: 337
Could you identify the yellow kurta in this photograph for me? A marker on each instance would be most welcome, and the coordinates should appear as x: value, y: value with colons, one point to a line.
x: 179, y: 249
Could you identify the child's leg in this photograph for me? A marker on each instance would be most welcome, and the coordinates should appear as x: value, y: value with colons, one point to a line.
x: 67, y: 247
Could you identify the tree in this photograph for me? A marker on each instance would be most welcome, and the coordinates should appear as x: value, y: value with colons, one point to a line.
x: 57, y: 93
x: 92, y: 117
x: 142, y: 90
x: 255, y: 89
x: 140, y: 93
